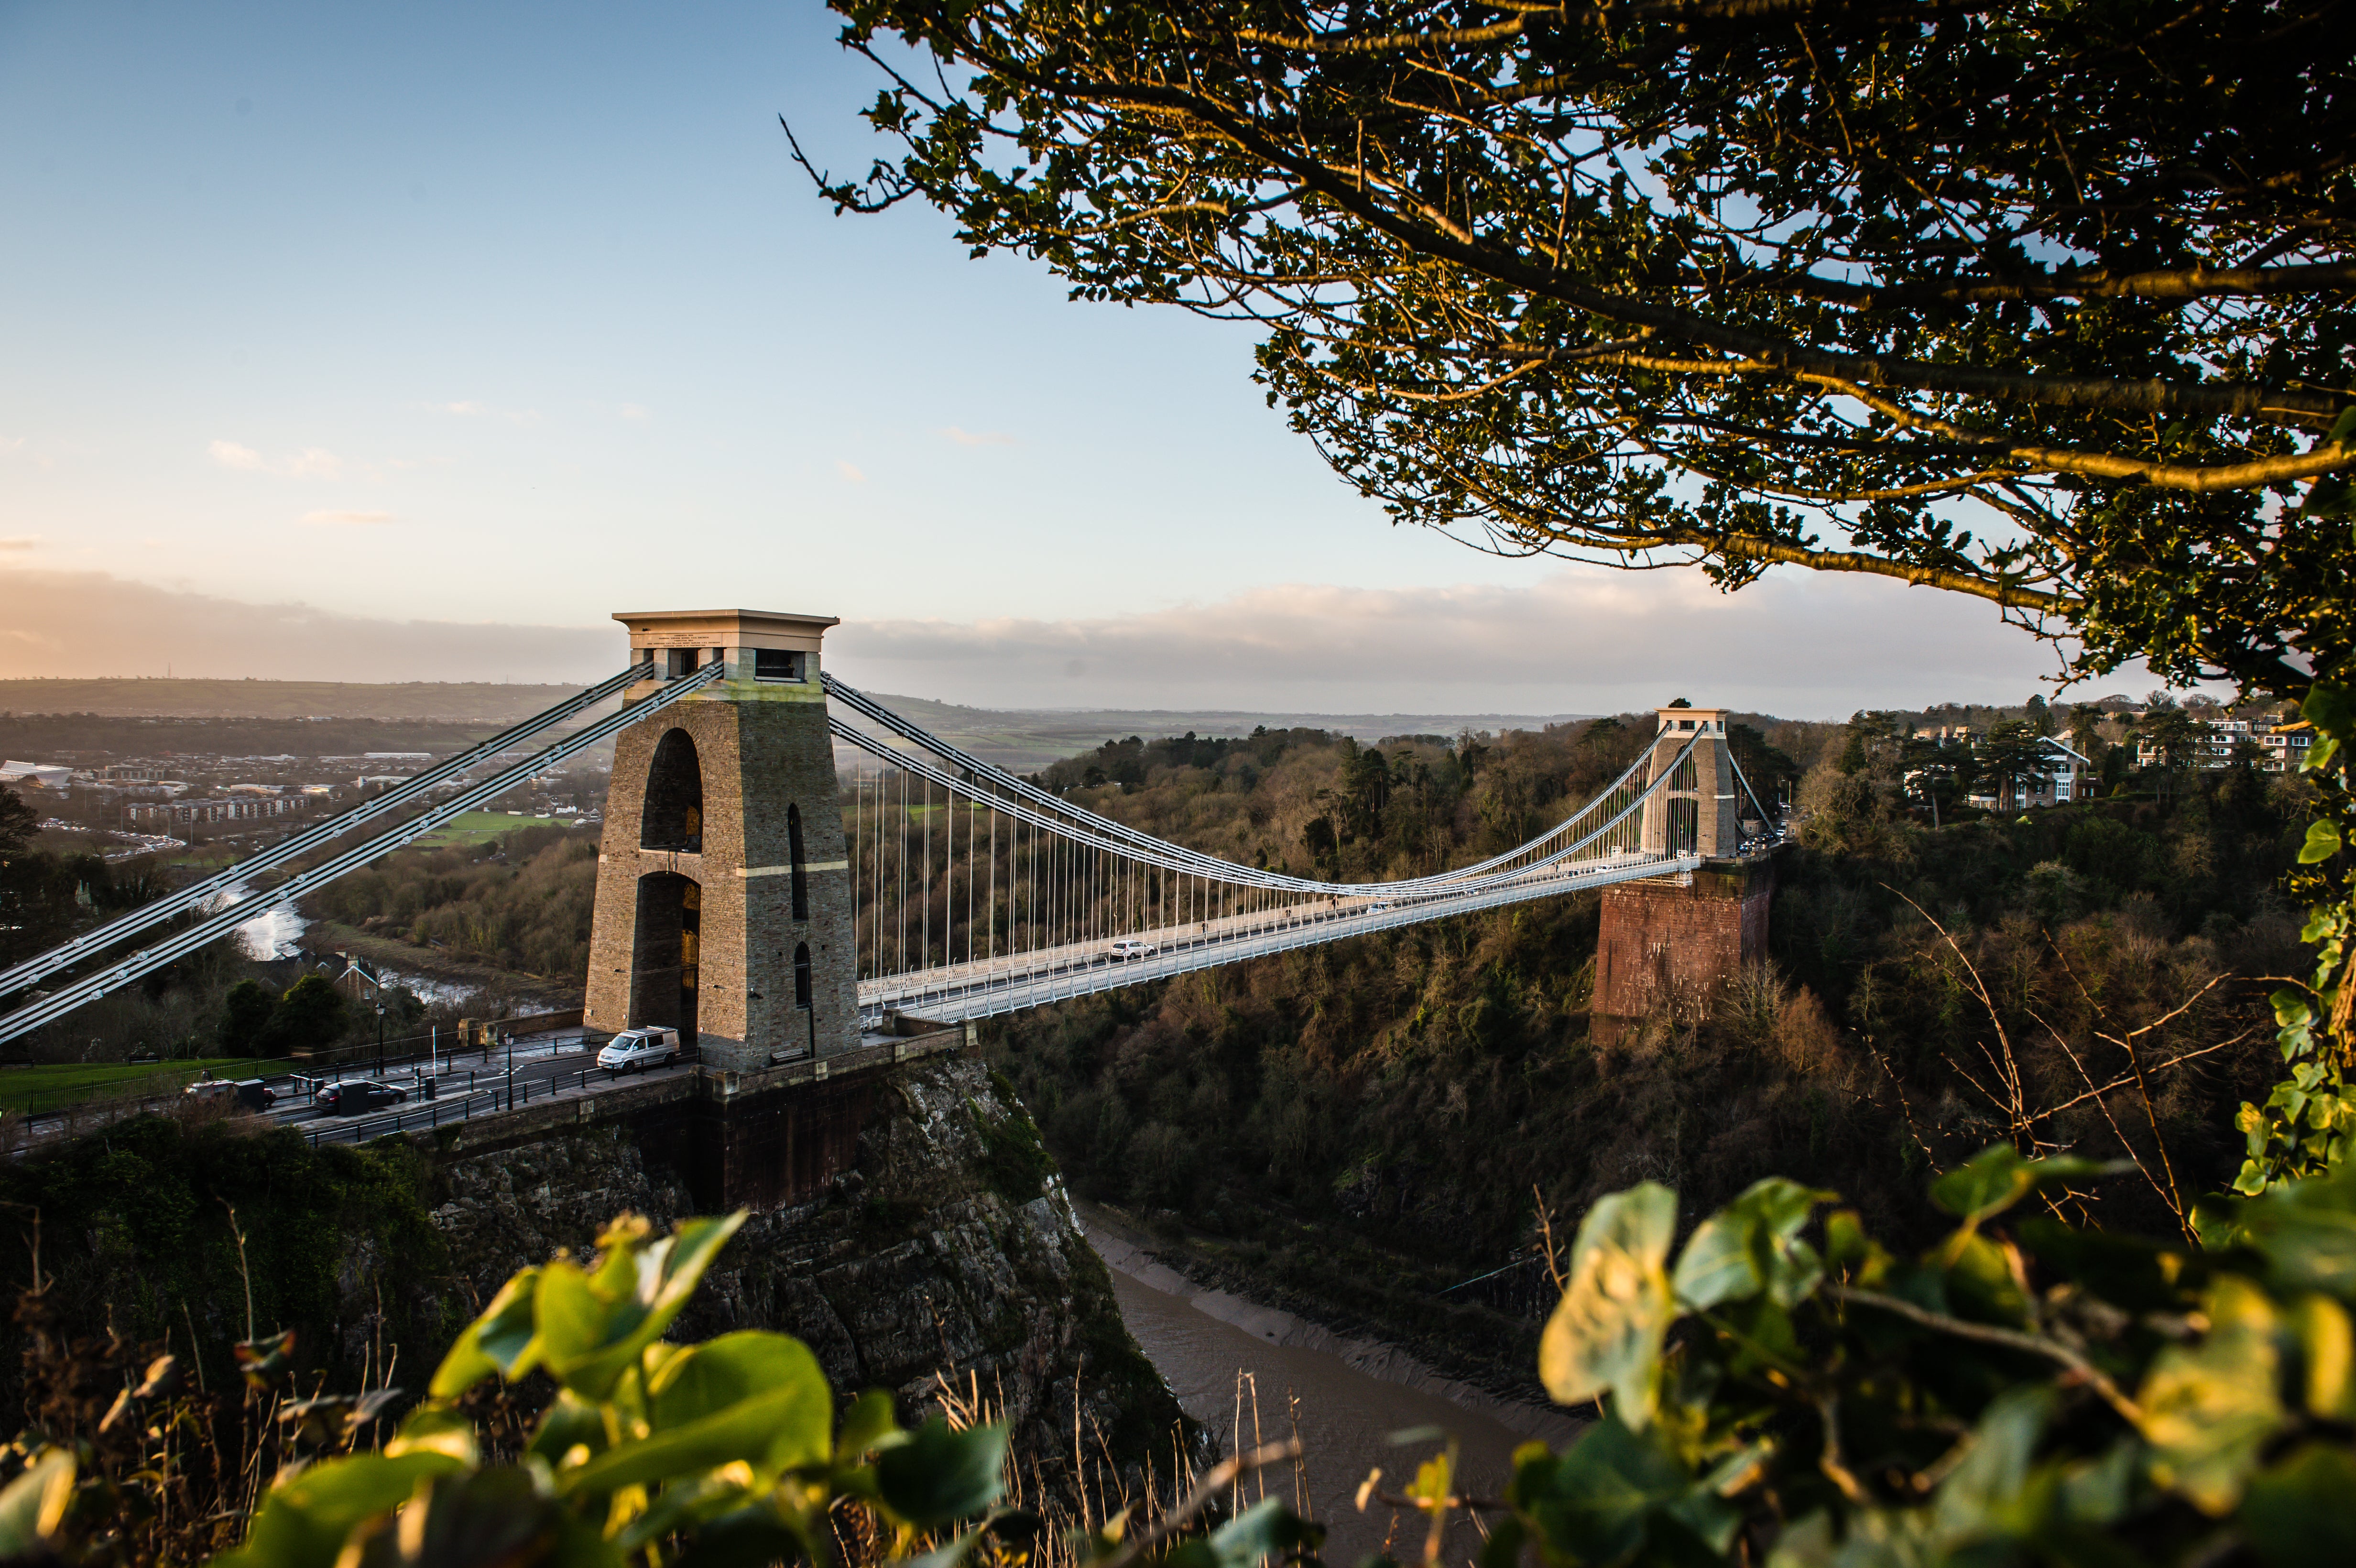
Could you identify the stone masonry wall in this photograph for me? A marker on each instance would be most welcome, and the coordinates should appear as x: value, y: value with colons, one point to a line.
x: 759, y: 753
x: 1660, y: 939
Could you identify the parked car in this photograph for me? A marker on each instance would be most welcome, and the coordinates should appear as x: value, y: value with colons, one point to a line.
x: 246, y: 1094
x: 634, y: 1048
x: 358, y: 1096
x: 1131, y: 947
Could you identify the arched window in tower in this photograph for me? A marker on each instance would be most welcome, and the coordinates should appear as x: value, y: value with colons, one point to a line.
x: 801, y: 975
x: 673, y: 818
x: 794, y: 849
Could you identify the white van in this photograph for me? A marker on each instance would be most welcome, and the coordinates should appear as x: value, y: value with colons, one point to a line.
x: 636, y: 1048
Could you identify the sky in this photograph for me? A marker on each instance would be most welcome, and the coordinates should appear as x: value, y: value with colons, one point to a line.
x: 411, y: 343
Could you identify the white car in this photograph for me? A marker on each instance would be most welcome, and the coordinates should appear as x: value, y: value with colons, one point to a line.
x: 1130, y: 948
x: 635, y: 1047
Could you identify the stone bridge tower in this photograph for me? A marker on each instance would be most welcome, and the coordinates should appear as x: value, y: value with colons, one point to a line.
x: 723, y: 899
x: 1670, y: 941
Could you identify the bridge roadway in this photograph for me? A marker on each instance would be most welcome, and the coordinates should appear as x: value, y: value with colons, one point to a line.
x: 953, y: 993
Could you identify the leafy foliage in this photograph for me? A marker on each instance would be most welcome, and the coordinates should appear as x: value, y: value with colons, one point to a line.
x: 2308, y: 1122
x: 2047, y: 303
x: 729, y: 1451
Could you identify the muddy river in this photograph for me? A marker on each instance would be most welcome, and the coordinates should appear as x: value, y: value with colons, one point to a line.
x: 1239, y: 1369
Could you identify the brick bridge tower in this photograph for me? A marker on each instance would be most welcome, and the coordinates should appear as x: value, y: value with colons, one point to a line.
x: 1667, y: 938
x: 722, y: 893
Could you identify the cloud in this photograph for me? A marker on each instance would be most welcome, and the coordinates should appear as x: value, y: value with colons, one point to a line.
x: 1572, y: 640
x: 475, y: 410
x: 21, y: 542
x: 311, y: 462
x: 634, y: 412
x: 67, y: 623
x: 849, y: 471
x: 347, y: 520
x: 982, y: 438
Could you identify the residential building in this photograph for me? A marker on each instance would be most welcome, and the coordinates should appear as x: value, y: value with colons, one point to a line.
x: 2068, y: 774
x: 2284, y: 745
x: 175, y: 814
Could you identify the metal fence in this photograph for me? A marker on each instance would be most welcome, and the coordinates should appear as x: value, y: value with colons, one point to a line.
x: 512, y: 1092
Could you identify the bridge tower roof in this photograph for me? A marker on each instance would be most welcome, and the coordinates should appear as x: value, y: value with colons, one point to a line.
x: 725, y: 628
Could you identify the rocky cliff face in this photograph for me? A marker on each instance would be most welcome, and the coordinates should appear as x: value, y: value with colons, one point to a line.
x: 947, y: 1259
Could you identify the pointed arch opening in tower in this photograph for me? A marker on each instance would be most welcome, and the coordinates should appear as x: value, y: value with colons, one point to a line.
x: 664, y: 960
x: 673, y: 818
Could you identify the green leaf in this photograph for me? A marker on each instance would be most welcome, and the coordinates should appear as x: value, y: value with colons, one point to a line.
x: 1996, y: 1179
x: 770, y: 1431
x: 2327, y: 1353
x: 2331, y: 707
x: 718, y: 1374
x: 2304, y: 1230
x: 1266, y: 1531
x: 33, y: 1505
x: 1607, y: 1330
x: 1751, y: 1245
x: 937, y: 1475
x: 493, y: 1519
x: 2322, y: 842
x: 2208, y: 1409
x: 592, y: 1328
x: 435, y: 1429
x: 869, y: 1423
x: 303, y: 1521
x: 1992, y: 1474
x: 492, y: 1342
x: 1590, y: 1505
x: 2297, y: 1513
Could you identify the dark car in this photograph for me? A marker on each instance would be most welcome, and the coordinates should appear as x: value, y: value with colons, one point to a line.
x: 246, y: 1094
x: 358, y: 1096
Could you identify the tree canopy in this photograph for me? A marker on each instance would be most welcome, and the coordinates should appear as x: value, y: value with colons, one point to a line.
x: 2047, y: 303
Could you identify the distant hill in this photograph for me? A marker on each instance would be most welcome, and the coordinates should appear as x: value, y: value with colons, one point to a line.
x: 1015, y: 738
x: 468, y: 702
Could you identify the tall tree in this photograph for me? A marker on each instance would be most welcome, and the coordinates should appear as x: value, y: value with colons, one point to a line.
x: 2044, y: 303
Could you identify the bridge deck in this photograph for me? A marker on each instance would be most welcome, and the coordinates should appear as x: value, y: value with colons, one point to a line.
x: 985, y: 988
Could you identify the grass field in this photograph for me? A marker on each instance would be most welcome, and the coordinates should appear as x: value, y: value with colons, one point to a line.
x: 52, y: 1084
x: 474, y: 827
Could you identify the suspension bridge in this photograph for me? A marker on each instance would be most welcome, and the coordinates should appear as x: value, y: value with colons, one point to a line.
x: 777, y: 907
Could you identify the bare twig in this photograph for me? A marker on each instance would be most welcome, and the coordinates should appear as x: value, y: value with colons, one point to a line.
x: 1220, y: 1477
x: 1990, y: 1334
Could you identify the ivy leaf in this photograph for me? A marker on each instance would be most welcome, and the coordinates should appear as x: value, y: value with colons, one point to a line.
x: 492, y: 1342
x: 718, y: 1374
x: 1752, y: 1244
x: 1607, y: 1330
x: 1996, y: 1179
x: 939, y: 1474
x: 304, y: 1521
x: 592, y: 1328
x: 34, y: 1504
x: 1593, y: 1504
x: 2296, y: 1512
x: 2208, y: 1409
x: 1267, y: 1530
